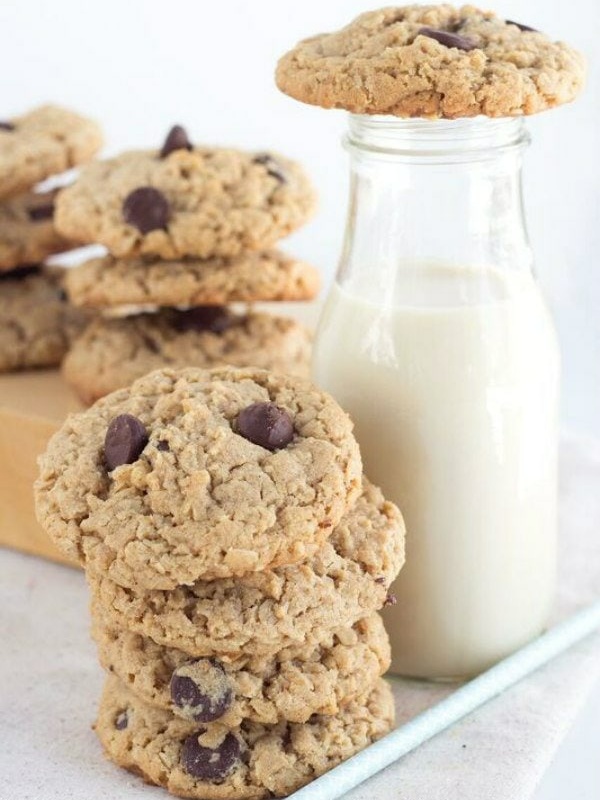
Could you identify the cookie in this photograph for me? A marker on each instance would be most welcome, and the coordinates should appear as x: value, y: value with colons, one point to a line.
x: 36, y: 321
x: 432, y: 61
x: 202, y: 202
x: 253, y: 761
x: 199, y: 473
x: 113, y: 352
x: 249, y: 277
x: 41, y: 143
x: 27, y: 234
x: 265, y: 612
x: 292, y: 685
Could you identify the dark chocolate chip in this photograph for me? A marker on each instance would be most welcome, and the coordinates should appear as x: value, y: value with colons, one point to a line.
x: 203, y: 318
x: 149, y: 343
x: 146, y: 209
x: 163, y: 446
x: 37, y: 213
x: 19, y: 273
x: 177, y: 139
x: 266, y: 424
x: 201, y: 690
x: 520, y: 26
x: 448, y: 39
x: 208, y: 764
x: 6, y: 126
x: 125, y: 439
x: 390, y: 600
x: 272, y: 166
x: 121, y: 720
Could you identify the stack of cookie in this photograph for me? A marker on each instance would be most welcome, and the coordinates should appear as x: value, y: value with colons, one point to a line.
x: 36, y: 321
x: 188, y: 230
x: 237, y: 560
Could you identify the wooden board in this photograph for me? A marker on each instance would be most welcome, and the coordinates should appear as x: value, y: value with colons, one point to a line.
x: 32, y: 406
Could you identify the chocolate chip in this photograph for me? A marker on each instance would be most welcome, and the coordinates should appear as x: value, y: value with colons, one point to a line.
x: 266, y: 424
x: 146, y: 209
x: 6, y: 126
x: 211, y: 764
x: 448, y: 39
x: 163, y: 446
x: 121, y: 720
x: 381, y: 580
x: 149, y: 343
x: 37, y: 213
x: 203, y: 318
x: 177, y: 139
x: 125, y: 439
x: 20, y: 273
x: 520, y: 26
x: 390, y: 600
x: 272, y: 166
x: 201, y: 690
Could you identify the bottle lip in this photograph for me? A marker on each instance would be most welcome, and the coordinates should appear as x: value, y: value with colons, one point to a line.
x: 471, y: 138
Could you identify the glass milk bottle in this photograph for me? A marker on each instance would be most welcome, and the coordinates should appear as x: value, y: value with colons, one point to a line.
x: 436, y: 339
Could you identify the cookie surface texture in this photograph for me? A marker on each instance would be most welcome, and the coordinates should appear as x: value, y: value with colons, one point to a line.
x: 432, y: 61
x: 199, y: 499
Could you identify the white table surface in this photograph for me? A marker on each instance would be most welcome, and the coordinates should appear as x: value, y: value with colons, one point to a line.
x: 50, y: 682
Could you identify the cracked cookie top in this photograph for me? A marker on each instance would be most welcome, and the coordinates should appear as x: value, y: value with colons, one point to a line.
x: 189, y: 201
x: 433, y: 61
x: 199, y: 474
x: 259, y: 614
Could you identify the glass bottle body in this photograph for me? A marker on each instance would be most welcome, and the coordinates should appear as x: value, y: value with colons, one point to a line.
x: 436, y: 339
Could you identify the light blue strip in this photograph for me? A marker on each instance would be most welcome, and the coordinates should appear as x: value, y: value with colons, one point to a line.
x: 467, y: 698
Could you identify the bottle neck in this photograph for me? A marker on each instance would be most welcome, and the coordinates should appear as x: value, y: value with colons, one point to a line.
x: 426, y: 191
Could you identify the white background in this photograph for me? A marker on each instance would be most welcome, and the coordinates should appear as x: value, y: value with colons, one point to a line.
x: 139, y: 66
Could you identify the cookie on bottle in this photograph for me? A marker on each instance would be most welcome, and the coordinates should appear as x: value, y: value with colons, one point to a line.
x: 433, y: 61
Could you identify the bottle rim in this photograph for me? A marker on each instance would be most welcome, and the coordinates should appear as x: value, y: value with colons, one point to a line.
x: 463, y: 139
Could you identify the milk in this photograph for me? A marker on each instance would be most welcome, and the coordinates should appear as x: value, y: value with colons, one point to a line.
x: 452, y: 381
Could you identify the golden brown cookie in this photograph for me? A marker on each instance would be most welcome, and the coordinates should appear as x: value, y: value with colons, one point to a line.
x: 41, y: 143
x: 27, y: 233
x: 250, y: 277
x: 37, y: 323
x: 188, y: 201
x: 432, y: 61
x: 253, y: 761
x: 261, y: 613
x: 292, y: 685
x: 199, y: 473
x: 113, y: 352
